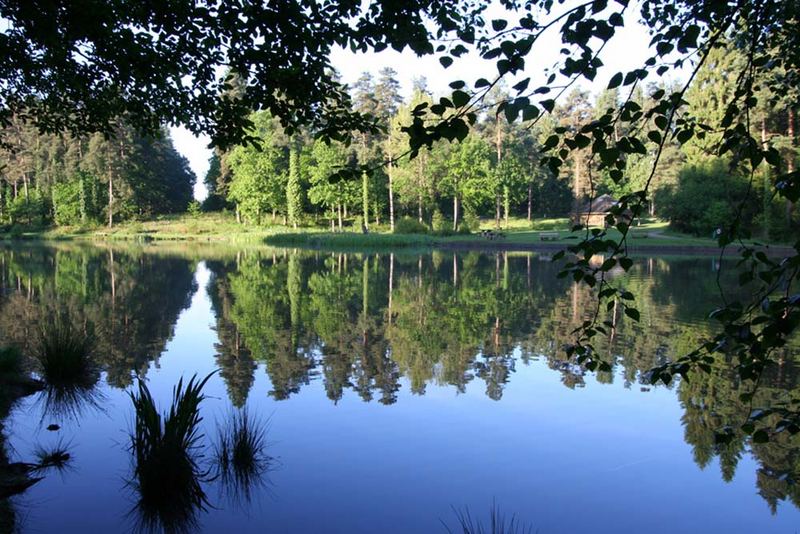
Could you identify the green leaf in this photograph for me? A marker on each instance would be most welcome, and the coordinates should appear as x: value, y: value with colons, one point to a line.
x: 530, y: 112
x: 460, y: 98
x: 633, y: 313
x: 760, y: 436
x: 499, y: 24
x: 654, y: 136
x: 615, y: 81
x: 446, y: 61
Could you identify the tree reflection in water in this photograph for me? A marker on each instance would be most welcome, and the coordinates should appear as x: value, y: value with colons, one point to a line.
x: 372, y: 324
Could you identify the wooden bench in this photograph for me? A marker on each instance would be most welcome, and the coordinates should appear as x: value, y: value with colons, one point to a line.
x: 548, y: 236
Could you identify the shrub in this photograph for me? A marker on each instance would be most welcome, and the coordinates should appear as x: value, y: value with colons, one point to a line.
x: 470, y: 223
x: 439, y: 222
x: 705, y: 198
x: 193, y: 208
x: 409, y: 225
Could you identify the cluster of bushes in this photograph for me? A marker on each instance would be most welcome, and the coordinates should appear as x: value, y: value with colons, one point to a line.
x: 708, y: 197
x: 440, y: 225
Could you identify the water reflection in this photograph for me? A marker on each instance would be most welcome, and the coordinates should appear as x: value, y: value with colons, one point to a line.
x: 372, y: 324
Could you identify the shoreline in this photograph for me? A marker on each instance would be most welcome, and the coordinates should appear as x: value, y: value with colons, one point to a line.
x: 382, y: 242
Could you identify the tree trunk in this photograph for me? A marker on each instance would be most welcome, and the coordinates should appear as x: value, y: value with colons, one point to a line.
x: 455, y: 213
x: 530, y: 201
x: 391, y: 197
x: 767, y: 180
x: 391, y: 284
x: 419, y: 207
x: 790, y: 163
x: 506, y: 204
x: 238, y: 215
x: 341, y: 224
x: 365, y: 200
x: 110, y: 199
x: 576, y: 182
x: 498, y: 145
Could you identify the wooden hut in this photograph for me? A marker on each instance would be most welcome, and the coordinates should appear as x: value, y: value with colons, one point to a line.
x: 594, y: 213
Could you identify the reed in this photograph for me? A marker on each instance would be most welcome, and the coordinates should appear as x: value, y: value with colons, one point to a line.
x: 240, y: 456
x: 167, y: 474
x: 498, y: 523
x: 67, y: 367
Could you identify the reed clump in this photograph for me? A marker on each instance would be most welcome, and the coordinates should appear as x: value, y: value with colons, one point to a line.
x: 167, y: 475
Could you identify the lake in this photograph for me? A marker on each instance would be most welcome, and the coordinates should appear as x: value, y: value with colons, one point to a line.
x: 397, y: 392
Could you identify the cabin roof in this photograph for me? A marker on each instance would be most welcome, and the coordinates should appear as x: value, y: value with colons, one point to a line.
x: 599, y: 205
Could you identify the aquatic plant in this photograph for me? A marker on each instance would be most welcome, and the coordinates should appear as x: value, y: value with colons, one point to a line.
x: 56, y: 457
x: 498, y: 523
x: 166, y: 474
x: 67, y: 367
x: 239, y: 455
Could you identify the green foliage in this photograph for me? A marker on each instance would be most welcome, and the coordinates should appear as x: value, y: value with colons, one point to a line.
x: 294, y: 191
x: 194, y: 208
x: 328, y: 190
x: 409, y: 225
x: 705, y: 199
x: 259, y: 172
x: 439, y: 223
x: 30, y: 210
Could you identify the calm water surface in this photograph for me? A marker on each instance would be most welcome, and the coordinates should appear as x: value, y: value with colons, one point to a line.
x: 396, y: 388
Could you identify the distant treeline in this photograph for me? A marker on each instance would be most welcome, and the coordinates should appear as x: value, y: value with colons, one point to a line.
x: 495, y: 171
x: 68, y: 180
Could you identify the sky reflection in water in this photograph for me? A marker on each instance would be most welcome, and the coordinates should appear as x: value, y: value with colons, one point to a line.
x: 470, y: 401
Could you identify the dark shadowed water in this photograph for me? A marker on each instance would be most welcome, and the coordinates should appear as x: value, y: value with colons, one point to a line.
x: 396, y: 388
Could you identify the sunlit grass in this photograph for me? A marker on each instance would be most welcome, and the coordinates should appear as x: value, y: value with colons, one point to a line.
x: 167, y: 476
x: 347, y: 240
x: 240, y: 456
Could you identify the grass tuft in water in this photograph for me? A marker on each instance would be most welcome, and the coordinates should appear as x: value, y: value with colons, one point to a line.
x: 240, y: 457
x: 57, y: 457
x: 67, y: 367
x: 167, y: 476
x: 498, y: 523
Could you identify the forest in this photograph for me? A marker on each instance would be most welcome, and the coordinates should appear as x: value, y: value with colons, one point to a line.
x: 496, y: 171
x: 89, y: 180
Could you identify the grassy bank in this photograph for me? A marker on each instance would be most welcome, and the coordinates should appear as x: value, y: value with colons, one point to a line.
x: 519, y: 234
x: 204, y: 227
